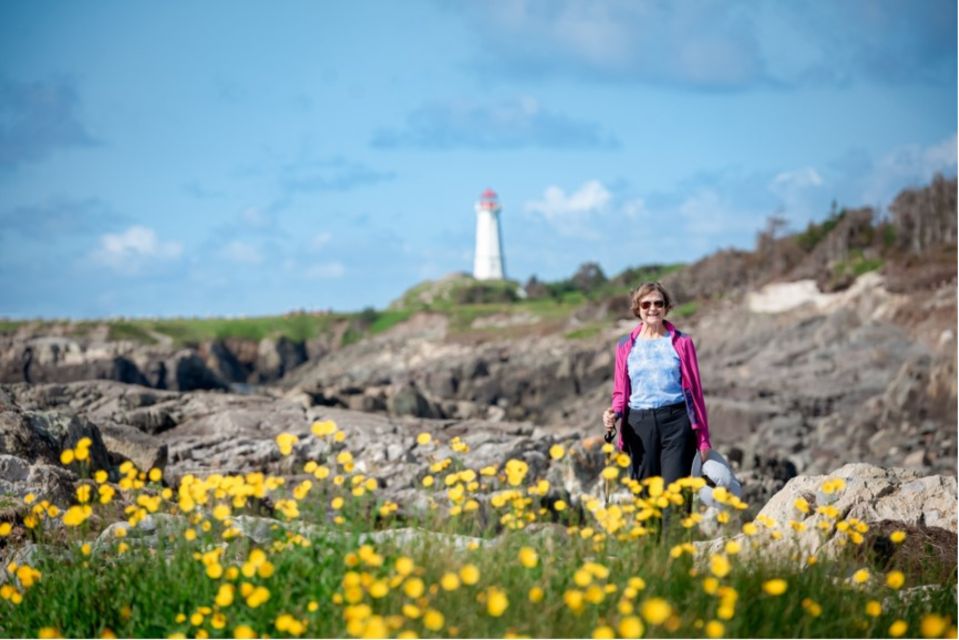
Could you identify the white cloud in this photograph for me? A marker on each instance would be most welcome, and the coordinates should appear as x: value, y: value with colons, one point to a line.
x: 713, y: 213
x: 242, y: 252
x: 133, y: 248
x: 590, y: 198
x: 256, y: 218
x: 508, y: 124
x: 797, y: 179
x: 634, y: 208
x: 321, y: 239
x: 907, y: 166
x: 799, y: 192
x: 325, y: 271
x: 716, y: 44
x: 708, y: 45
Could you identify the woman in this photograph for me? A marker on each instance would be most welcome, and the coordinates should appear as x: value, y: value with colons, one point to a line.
x: 657, y: 395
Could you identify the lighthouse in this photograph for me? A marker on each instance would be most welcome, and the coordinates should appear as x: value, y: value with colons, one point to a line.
x: 488, y: 262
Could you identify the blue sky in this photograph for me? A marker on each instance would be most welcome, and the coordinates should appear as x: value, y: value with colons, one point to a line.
x: 234, y: 158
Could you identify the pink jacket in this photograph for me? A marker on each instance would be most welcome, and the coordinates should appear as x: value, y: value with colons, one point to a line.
x: 689, y: 374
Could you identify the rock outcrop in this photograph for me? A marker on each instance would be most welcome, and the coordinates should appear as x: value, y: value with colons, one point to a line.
x: 872, y: 502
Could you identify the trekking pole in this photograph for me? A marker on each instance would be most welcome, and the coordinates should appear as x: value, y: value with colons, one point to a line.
x: 608, y: 437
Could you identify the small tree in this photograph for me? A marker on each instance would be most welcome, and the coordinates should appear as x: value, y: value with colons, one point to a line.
x: 589, y: 276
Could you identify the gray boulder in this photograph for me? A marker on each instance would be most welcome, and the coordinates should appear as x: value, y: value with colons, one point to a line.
x: 887, y: 498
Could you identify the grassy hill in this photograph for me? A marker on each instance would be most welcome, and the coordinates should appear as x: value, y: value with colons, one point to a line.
x: 458, y: 296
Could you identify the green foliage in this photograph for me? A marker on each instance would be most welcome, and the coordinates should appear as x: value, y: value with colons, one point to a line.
x: 296, y: 327
x: 388, y: 319
x: 686, y: 309
x: 591, y: 330
x: 130, y: 331
x: 456, y: 290
x: 814, y: 233
x: 888, y: 236
x: 631, y: 278
x: 10, y: 326
x: 856, y: 265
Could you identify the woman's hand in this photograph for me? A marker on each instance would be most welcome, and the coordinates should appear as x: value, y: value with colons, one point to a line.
x: 609, y: 419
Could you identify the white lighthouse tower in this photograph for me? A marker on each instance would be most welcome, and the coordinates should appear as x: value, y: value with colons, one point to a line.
x: 488, y: 262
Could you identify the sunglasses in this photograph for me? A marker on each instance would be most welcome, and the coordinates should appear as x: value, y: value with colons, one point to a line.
x: 646, y: 304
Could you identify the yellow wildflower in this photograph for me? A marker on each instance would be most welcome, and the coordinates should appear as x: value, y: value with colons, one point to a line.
x: 413, y: 587
x: 258, y: 596
x: 516, y: 471
x: 379, y: 589
x: 469, y: 574
x: 323, y: 428
x: 898, y: 628
x: 631, y: 627
x: 244, y: 632
x: 895, y: 579
x: 832, y: 485
x: 897, y: 536
x: 528, y: 557
x: 285, y: 442
x: 224, y: 597
x: 656, y: 610
x: 715, y: 629
x: 933, y: 625
x: 556, y: 452
x: 604, y: 631
x: 536, y: 595
x: 496, y: 602
x: 450, y: 581
x: 582, y: 577
x: 775, y: 587
x: 76, y: 515
x: 873, y: 608
x: 433, y: 620
x: 719, y: 565
x: 404, y: 565
x: 423, y: 439
x: 812, y: 607
x: 574, y: 600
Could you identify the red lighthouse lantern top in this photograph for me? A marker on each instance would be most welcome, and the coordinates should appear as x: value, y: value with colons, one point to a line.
x: 489, y: 200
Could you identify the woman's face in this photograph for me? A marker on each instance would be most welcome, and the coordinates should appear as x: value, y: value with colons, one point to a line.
x: 652, y: 309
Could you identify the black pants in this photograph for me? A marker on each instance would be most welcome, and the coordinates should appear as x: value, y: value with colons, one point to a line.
x: 660, y: 442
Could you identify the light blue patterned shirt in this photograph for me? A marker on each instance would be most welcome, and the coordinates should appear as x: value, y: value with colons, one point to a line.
x: 653, y: 367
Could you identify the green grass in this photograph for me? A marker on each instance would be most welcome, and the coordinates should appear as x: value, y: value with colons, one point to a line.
x: 603, y: 567
x: 184, y: 331
x: 9, y: 326
x: 686, y: 309
x: 386, y: 320
x: 462, y: 299
x: 856, y: 265
x: 591, y: 330
x: 130, y: 331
